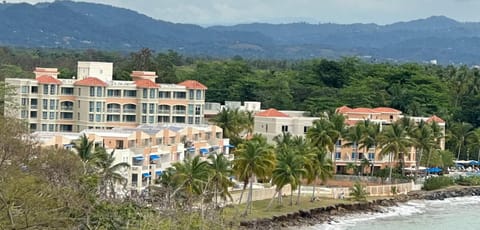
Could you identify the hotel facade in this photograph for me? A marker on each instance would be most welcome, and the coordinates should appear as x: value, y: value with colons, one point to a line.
x: 93, y: 100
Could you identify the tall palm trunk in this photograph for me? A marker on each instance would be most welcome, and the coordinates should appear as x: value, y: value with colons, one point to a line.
x: 291, y: 196
x: 417, y: 163
x: 273, y: 198
x: 299, y: 190
x: 459, y: 150
x: 313, y: 190
x: 373, y: 161
x: 390, y: 163
x: 245, y: 183
x: 249, y: 198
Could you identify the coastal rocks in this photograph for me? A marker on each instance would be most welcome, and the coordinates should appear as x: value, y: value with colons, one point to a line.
x: 327, y: 214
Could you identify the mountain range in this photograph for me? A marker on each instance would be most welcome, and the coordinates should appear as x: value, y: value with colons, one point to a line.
x: 80, y: 25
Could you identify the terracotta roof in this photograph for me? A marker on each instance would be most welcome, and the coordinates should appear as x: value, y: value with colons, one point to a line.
x: 343, y: 109
x: 351, y: 122
x: 386, y: 110
x: 361, y: 110
x: 45, y: 79
x: 90, y: 81
x: 192, y: 84
x: 145, y: 83
x: 436, y: 119
x: 271, y: 113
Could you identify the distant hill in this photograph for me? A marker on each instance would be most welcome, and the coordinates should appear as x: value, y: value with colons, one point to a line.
x: 79, y: 25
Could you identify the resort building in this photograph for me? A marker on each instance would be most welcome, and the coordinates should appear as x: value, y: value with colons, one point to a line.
x: 272, y: 122
x: 94, y: 100
x: 148, y: 149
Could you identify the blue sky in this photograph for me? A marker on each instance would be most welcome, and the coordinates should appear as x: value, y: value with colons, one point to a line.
x: 227, y: 12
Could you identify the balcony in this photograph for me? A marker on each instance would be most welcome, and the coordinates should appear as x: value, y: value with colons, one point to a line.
x: 129, y: 110
x: 113, y: 110
x: 164, y: 111
x: 182, y: 112
x: 33, y: 106
x: 67, y: 108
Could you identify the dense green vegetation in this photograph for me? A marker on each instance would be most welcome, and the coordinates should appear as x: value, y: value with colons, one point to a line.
x: 433, y: 183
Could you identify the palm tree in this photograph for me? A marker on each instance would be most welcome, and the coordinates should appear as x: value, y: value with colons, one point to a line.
x: 289, y: 169
x: 233, y: 122
x: 221, y: 171
x: 370, y: 139
x: 473, y: 141
x: 394, y: 143
x: 85, y: 150
x: 254, y: 158
x: 423, y: 139
x: 323, y: 135
x: 190, y: 176
x: 458, y: 134
x: 354, y: 135
x: 109, y: 172
x: 322, y: 169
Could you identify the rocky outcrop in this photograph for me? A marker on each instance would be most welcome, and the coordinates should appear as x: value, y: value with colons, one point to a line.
x: 327, y: 214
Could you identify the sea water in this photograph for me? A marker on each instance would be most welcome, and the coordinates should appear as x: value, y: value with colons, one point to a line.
x: 453, y: 213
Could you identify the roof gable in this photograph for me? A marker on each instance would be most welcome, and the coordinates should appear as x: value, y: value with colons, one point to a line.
x: 46, y: 79
x: 192, y: 84
x: 343, y: 109
x: 271, y: 113
x: 145, y: 83
x: 90, y: 81
x: 435, y: 119
x: 386, y: 110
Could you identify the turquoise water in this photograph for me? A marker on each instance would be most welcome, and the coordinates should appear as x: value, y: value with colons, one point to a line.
x: 453, y: 213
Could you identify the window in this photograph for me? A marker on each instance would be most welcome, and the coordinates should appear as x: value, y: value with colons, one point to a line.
x: 199, y: 95
x: 33, y: 114
x: 90, y: 117
x: 191, y: 94
x: 338, y: 155
x: 99, y: 106
x: 45, y: 104
x: 44, y: 127
x: 98, y: 118
x: 24, y: 101
x: 144, y: 107
x: 114, y: 93
x: 45, y: 89
x: 52, y: 104
x: 339, y: 143
x: 198, y: 109
x: 91, y: 106
x: 284, y: 128
x: 79, y: 92
x: 151, y: 108
x: 218, y: 135
x: 130, y: 93
x: 78, y: 116
x: 197, y: 120
x: 151, y: 119
x: 371, y: 156
x: 53, y: 89
x: 179, y: 95
x: 129, y: 118
x: 35, y: 89
x: 145, y: 93
x: 44, y: 115
x: 24, y: 89
x: 164, y: 94
x: 144, y: 119
x: 159, y: 141
x: 51, y: 127
x: 24, y: 114
x: 305, y: 129
x: 152, y: 93
x: 354, y: 156
x: 92, y: 91
x: 190, y: 109
x: 190, y: 120
x: 52, y: 116
x: 99, y: 92
x: 66, y: 91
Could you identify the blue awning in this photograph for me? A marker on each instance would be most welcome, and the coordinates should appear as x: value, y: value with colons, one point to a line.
x: 203, y: 150
x: 146, y: 174
x: 159, y: 172
x: 229, y: 146
x: 191, y: 149
x: 139, y: 158
x: 154, y: 157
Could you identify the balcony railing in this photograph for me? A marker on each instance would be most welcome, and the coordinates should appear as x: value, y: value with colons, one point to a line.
x: 33, y: 106
x: 113, y: 120
x: 179, y: 111
x: 113, y: 110
x: 129, y: 110
x: 164, y: 111
x: 68, y: 108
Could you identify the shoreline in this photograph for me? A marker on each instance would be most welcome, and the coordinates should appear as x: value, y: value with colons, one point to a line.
x: 310, y: 217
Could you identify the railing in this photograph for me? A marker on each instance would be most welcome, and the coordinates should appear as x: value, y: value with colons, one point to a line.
x: 164, y: 111
x: 33, y: 106
x: 69, y: 108
x: 179, y: 111
x: 129, y: 110
x: 113, y: 120
x: 66, y: 118
x: 113, y: 110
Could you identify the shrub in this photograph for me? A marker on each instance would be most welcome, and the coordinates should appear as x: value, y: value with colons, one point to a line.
x: 358, y: 192
x: 437, y: 182
x: 468, y: 181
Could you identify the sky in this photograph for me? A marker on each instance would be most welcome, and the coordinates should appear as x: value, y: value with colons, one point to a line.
x: 228, y: 12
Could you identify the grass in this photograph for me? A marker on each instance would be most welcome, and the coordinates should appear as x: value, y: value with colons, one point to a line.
x: 259, y: 208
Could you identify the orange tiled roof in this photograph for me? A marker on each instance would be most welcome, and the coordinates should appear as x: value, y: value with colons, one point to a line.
x: 343, y: 109
x: 192, y: 84
x: 351, y: 122
x: 361, y: 110
x: 271, y: 113
x: 386, y: 110
x: 436, y: 119
x: 90, y: 81
x: 145, y: 83
x: 46, y: 79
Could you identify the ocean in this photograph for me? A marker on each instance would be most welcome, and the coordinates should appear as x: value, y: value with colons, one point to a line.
x: 461, y: 213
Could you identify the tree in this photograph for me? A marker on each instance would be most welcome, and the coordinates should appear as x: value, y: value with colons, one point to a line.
x: 322, y: 169
x: 323, y: 135
x: 110, y: 173
x: 458, y: 135
x: 423, y: 139
x: 394, y: 143
x: 370, y: 139
x: 233, y: 122
x: 253, y: 159
x: 85, y: 150
x: 354, y: 136
x: 221, y: 171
